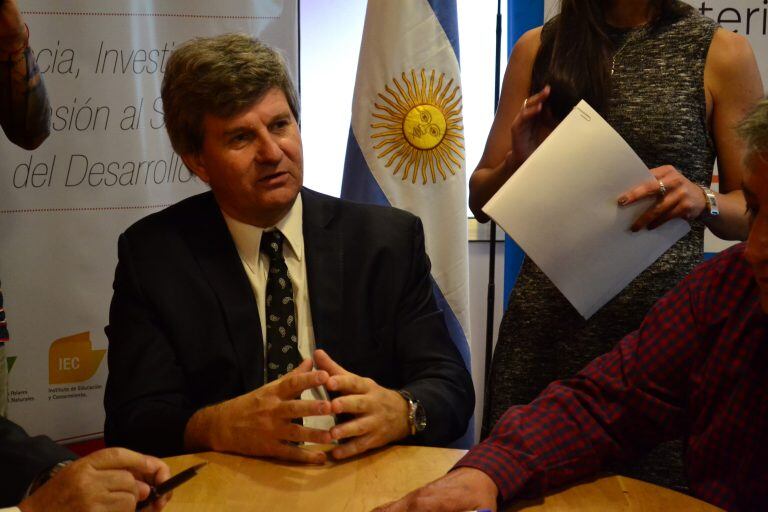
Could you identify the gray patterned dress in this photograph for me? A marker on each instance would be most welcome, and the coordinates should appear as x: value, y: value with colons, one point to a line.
x: 658, y: 105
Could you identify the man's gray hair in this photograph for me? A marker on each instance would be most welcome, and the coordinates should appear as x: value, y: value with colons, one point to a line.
x: 220, y: 76
x: 754, y: 130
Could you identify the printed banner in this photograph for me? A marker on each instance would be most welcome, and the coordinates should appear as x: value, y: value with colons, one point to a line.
x: 107, y: 163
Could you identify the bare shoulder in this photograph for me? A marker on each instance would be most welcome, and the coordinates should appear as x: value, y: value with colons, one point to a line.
x: 528, y: 45
x: 729, y: 41
x: 517, y: 77
x: 731, y: 55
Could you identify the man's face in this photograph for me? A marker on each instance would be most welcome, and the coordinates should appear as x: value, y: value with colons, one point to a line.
x: 252, y: 160
x: 756, y: 193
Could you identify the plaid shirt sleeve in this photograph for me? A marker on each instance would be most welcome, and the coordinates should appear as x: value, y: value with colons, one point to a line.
x: 620, y: 404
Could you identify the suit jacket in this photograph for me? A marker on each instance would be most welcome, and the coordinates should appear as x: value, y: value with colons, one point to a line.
x: 184, y: 329
x: 22, y: 459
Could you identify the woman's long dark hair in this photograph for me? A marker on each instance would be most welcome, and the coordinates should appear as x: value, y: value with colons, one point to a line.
x: 575, y: 53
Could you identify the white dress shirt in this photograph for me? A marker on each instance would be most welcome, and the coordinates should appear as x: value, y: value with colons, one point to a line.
x: 247, y: 240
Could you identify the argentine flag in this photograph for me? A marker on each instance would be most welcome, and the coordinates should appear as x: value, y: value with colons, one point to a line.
x: 406, y: 142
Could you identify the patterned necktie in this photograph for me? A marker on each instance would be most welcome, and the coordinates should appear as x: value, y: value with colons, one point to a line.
x: 282, y: 340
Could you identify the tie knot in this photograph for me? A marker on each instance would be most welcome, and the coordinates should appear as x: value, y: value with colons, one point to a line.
x: 272, y: 244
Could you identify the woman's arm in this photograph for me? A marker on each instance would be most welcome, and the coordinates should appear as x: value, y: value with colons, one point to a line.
x: 732, y: 86
x: 732, y: 80
x: 503, y: 154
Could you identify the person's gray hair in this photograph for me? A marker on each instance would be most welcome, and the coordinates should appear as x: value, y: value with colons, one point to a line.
x: 220, y: 76
x: 754, y: 131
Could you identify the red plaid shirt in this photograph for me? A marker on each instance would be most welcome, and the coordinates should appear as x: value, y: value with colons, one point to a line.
x: 697, y: 368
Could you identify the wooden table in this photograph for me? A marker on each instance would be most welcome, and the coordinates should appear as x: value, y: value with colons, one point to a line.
x: 610, y: 493
x: 230, y: 482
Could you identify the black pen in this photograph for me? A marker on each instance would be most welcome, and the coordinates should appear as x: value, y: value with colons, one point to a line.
x: 156, y: 492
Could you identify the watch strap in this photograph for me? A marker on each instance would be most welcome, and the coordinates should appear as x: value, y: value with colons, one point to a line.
x: 46, y: 475
x: 711, y: 210
x: 411, y: 409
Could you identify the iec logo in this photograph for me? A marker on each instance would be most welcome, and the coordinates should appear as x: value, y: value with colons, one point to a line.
x: 71, y: 359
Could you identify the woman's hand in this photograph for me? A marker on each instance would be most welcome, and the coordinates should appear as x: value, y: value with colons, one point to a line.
x: 676, y: 198
x: 524, y: 138
x: 497, y: 163
x: 524, y: 135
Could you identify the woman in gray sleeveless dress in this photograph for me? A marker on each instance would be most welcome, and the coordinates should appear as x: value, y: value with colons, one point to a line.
x: 672, y: 84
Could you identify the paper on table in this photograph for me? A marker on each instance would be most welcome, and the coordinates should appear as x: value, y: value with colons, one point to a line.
x: 561, y: 207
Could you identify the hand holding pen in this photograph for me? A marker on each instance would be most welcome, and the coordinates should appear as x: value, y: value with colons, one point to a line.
x: 110, y: 479
x: 160, y: 493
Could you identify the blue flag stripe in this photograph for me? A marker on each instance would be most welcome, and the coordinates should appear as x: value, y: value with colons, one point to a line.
x: 454, y: 327
x: 513, y: 262
x: 457, y: 335
x: 445, y: 11
x: 357, y: 182
x: 522, y: 16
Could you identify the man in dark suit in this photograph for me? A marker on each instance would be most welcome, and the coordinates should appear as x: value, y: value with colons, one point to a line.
x: 202, y: 285
x: 40, y: 475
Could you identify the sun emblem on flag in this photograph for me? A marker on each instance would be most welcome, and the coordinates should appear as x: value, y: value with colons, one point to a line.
x: 420, y: 132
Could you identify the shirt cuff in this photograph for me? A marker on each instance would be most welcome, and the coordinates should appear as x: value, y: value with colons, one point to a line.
x: 509, y: 476
x: 46, y: 475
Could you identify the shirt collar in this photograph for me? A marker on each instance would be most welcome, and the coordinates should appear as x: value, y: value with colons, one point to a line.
x: 247, y: 237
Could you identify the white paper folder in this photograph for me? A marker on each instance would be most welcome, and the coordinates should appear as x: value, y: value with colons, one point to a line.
x: 561, y: 208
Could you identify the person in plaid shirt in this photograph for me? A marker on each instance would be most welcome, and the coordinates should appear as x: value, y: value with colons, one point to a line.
x: 697, y: 367
x: 25, y: 116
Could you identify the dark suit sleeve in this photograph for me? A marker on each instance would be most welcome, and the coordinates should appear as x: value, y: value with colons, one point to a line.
x: 145, y: 399
x: 428, y: 361
x: 22, y: 459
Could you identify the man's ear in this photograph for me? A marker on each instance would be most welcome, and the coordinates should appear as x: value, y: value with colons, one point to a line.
x: 196, y: 164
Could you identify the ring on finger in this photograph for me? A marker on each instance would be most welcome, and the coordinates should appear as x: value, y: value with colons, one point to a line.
x: 525, y: 103
x: 662, y: 189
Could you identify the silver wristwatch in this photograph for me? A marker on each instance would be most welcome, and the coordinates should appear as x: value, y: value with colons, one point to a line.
x: 712, y: 209
x: 417, y: 417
